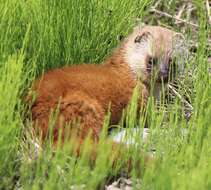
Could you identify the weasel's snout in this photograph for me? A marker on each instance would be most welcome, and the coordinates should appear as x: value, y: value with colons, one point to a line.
x: 164, y: 69
x: 164, y: 72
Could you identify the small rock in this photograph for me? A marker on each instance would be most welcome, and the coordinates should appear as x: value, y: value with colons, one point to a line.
x: 128, y: 188
x: 111, y: 187
x: 121, y: 184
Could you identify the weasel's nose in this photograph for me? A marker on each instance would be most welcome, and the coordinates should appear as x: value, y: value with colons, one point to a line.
x: 164, y: 72
x: 164, y: 69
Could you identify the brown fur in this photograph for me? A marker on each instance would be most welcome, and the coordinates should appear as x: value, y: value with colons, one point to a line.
x: 83, y: 91
x: 86, y: 91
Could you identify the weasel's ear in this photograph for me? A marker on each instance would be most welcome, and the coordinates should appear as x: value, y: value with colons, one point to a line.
x: 120, y: 37
x: 142, y: 37
x: 180, y: 50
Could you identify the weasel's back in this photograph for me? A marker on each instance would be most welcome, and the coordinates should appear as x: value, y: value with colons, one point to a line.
x: 83, y: 91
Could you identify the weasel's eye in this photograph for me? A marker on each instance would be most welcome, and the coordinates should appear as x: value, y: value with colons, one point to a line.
x: 172, y: 64
x: 152, y: 61
x: 170, y: 61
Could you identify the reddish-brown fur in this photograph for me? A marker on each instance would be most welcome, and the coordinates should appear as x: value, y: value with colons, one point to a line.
x: 84, y: 92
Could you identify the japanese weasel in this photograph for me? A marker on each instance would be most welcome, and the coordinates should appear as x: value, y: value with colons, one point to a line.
x: 85, y: 92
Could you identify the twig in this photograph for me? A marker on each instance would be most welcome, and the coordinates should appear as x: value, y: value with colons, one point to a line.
x: 208, y: 11
x: 156, y: 4
x: 179, y: 14
x: 174, y: 17
x: 189, y: 11
x: 180, y: 97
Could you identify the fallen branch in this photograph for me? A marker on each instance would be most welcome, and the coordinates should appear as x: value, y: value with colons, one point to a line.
x: 174, y: 17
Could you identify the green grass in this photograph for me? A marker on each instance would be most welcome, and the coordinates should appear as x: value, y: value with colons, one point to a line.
x: 37, y: 35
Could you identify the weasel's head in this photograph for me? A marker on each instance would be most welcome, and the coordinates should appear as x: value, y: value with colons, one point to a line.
x: 154, y: 52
